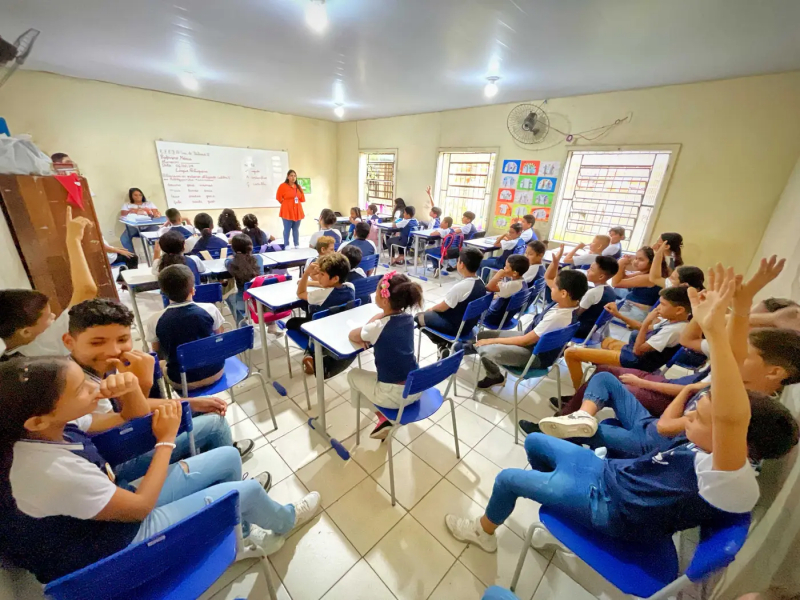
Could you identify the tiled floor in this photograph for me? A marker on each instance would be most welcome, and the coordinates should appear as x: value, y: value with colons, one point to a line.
x: 361, y: 547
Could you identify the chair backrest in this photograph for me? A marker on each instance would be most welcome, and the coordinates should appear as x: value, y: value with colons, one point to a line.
x: 178, y: 563
x: 215, y: 253
x: 686, y: 358
x: 719, y: 544
x: 260, y: 281
x: 215, y: 349
x: 207, y: 292
x: 518, y: 300
x: 427, y: 377
x: 555, y: 340
x: 369, y: 262
x: 476, y: 308
x: 135, y: 437
x: 520, y: 247
x: 367, y: 285
x: 333, y: 310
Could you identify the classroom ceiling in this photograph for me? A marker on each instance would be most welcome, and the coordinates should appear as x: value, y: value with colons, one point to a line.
x: 392, y: 57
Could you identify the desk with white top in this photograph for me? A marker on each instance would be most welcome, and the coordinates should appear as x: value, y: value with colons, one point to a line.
x: 484, y: 244
x: 420, y: 237
x: 139, y: 225
x: 284, y: 259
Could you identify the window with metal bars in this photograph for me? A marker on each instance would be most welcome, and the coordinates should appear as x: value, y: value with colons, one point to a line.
x: 464, y: 182
x: 377, y: 176
x: 600, y: 190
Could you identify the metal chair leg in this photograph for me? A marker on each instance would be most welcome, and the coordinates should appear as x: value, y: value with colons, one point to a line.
x: 419, y: 344
x: 477, y: 379
x: 391, y: 466
x: 358, y: 419
x: 233, y: 395
x: 288, y: 358
x: 558, y: 381
x: 266, y: 395
x: 516, y: 412
x: 264, y: 564
x: 522, y: 555
x: 455, y: 427
x: 305, y: 387
x: 358, y: 357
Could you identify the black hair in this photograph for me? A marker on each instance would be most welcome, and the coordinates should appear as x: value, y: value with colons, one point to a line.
x: 471, y: 257
x: 574, y: 282
x: 20, y: 308
x: 352, y: 254
x: 518, y: 263
x: 172, y: 244
x: 335, y: 265
x: 447, y: 220
x: 537, y: 246
x: 327, y: 217
x: 31, y: 388
x: 373, y: 208
x: 130, y: 195
x: 357, y: 211
x: 529, y: 219
x: 58, y: 156
x: 692, y: 276
x: 204, y: 224
x: 399, y: 203
x: 227, y: 221
x: 250, y: 222
x: 772, y: 431
x: 289, y: 172
x: 675, y: 241
x: 243, y: 265
x: 362, y: 230
x: 176, y: 282
x: 100, y: 311
x: 679, y: 296
x: 323, y: 242
x: 650, y: 254
x: 608, y: 265
x: 174, y: 215
x: 470, y: 215
x: 403, y: 293
x: 620, y: 231
x: 779, y: 347
x: 436, y: 211
x: 516, y: 227
x: 410, y: 211
x: 771, y: 304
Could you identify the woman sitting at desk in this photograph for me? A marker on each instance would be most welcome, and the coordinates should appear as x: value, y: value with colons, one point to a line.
x: 137, y: 204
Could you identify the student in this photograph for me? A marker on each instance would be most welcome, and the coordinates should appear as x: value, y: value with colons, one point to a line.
x: 228, y: 224
x: 466, y: 229
x: 355, y: 219
x: 360, y: 240
x: 444, y: 228
x: 403, y: 239
x: 600, y: 273
x: 327, y: 219
x: 372, y: 214
x: 174, y: 221
x: 435, y: 214
x: 646, y: 350
x: 682, y: 275
x: 324, y: 246
x: 183, y: 321
x: 399, y: 208
x: 504, y: 284
x: 528, y: 234
x: 113, y: 253
x: 615, y: 235
x: 534, y: 252
x: 390, y: 333
x: 205, y: 239
x: 354, y: 256
x: 643, y: 294
x: 446, y: 316
x: 510, y: 348
x: 704, y: 475
x: 599, y: 243
x: 28, y: 327
x: 256, y: 235
x: 244, y: 266
x: 63, y: 506
x: 169, y: 250
x: 674, y: 254
x: 510, y: 243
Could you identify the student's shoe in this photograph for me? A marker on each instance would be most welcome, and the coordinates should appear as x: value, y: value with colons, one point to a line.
x: 554, y: 402
x: 308, y: 365
x: 274, y: 329
x: 381, y: 431
x: 489, y: 381
x: 245, y: 447
x: 305, y: 509
x: 265, y: 479
x: 442, y: 352
x: 269, y: 541
x: 527, y: 427
x: 470, y: 531
x: 577, y: 424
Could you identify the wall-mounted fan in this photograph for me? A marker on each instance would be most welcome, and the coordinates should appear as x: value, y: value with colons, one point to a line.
x: 14, y: 55
x: 528, y: 124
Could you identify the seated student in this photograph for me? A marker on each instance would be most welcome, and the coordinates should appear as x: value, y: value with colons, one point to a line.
x: 113, y: 254
x: 244, y: 266
x: 705, y: 474
x: 100, y: 341
x: 468, y: 230
x: 325, y: 245
x: 642, y: 293
x: 256, y: 235
x: 205, y: 239
x: 615, y: 235
x: 228, y: 224
x: 534, y: 252
x: 28, y: 327
x: 646, y: 349
x: 674, y: 258
x: 599, y: 243
x: 355, y: 219
x: 444, y: 228
x: 183, y: 321
x: 399, y: 209
x: 63, y: 506
x: 528, y: 234
x: 372, y: 214
x: 169, y: 250
x: 360, y: 240
x: 597, y: 298
x: 510, y: 243
x: 354, y: 256
x: 682, y: 275
x: 505, y: 283
x: 390, y: 333
x: 512, y: 349
x: 327, y: 219
x: 446, y: 316
x: 435, y: 218
x: 174, y: 221
x: 403, y: 239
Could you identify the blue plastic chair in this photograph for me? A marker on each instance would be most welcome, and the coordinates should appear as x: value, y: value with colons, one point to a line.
x: 366, y: 286
x: 602, y: 320
x: 648, y: 568
x: 216, y: 349
x: 179, y: 563
x: 515, y: 304
x: 688, y: 359
x: 207, y: 292
x: 421, y: 381
x: 369, y: 263
x: 406, y: 243
x: 537, y: 297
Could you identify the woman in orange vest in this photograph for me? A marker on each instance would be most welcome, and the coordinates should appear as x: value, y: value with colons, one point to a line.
x: 291, y: 197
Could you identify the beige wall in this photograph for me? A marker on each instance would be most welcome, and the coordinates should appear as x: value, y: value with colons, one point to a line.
x: 739, y: 141
x: 110, y: 131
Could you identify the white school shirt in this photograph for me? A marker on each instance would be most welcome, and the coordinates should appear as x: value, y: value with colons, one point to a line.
x: 317, y: 296
x: 47, y: 343
x: 201, y: 267
x: 112, y: 256
x: 162, y: 230
x: 132, y: 206
x: 583, y: 259
x: 467, y: 229
x: 372, y: 331
x: 531, y: 273
x: 191, y: 242
x: 508, y: 244
x: 666, y: 334
x: 593, y: 296
x: 460, y: 291
x: 611, y: 249
x: 152, y: 322
x: 526, y: 234
x: 509, y: 287
x: 731, y: 491
x: 554, y: 319
x: 443, y: 231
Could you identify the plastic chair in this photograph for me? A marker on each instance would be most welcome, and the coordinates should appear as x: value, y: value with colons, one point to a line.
x: 648, y: 568
x: 406, y: 242
x: 366, y: 286
x: 179, y: 563
x: 215, y: 349
x: 439, y: 253
x: 214, y: 253
x: 369, y: 263
x: 688, y: 359
x: 602, y: 320
x: 515, y: 303
x: 207, y: 292
x: 537, y: 296
x: 250, y: 304
x: 421, y: 380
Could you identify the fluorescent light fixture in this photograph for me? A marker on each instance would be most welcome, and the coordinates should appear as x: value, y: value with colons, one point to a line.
x: 189, y: 81
x: 317, y: 15
x: 339, y: 111
x: 490, y: 91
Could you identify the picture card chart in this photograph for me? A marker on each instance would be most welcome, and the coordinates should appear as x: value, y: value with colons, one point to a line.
x: 200, y: 177
x: 527, y: 187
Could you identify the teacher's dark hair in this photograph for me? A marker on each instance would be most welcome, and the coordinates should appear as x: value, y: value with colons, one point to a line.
x: 289, y: 172
x: 130, y: 195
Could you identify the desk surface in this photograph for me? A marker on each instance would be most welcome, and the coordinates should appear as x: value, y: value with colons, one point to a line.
x: 277, y: 295
x: 148, y: 223
x: 483, y: 243
x: 389, y: 225
x: 332, y: 331
x: 426, y: 233
x: 286, y: 256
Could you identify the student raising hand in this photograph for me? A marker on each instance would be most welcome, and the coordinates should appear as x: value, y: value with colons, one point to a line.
x: 76, y: 226
x: 167, y: 421
x: 709, y: 308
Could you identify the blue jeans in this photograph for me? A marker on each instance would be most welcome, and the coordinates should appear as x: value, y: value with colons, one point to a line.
x: 564, y: 475
x: 126, y: 239
x: 294, y: 227
x: 498, y: 593
x: 210, y: 476
x: 493, y: 262
x: 210, y: 432
x: 237, y: 305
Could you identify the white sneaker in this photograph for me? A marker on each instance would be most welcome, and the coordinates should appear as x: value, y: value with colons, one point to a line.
x: 270, y: 542
x: 543, y: 538
x: 578, y: 424
x: 305, y: 509
x: 471, y: 532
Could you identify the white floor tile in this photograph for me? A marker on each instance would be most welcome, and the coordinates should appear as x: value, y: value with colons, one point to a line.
x: 252, y: 401
x: 267, y: 459
x: 499, y: 447
x: 471, y: 428
x: 369, y: 453
x: 287, y: 414
x: 413, y: 478
x: 331, y: 476
x: 360, y: 583
x: 475, y: 476
x: 437, y: 448
x: 235, y: 413
x: 407, y: 433
x: 341, y: 420
x: 459, y: 584
x: 252, y: 584
x: 300, y: 446
x: 557, y: 585
x: 489, y: 406
x: 247, y: 430
x: 509, y: 425
x: 289, y: 490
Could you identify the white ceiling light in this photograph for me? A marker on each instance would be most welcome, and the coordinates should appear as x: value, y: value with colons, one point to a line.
x: 189, y: 81
x: 490, y: 91
x: 339, y: 111
x: 317, y: 15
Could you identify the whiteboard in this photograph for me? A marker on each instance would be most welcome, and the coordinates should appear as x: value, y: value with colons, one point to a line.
x: 201, y: 177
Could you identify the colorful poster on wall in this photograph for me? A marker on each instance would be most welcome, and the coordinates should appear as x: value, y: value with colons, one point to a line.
x: 526, y: 187
x: 503, y: 209
x: 546, y: 184
x: 504, y: 195
x: 529, y: 167
x: 542, y: 199
x: 541, y: 214
x: 525, y: 197
x: 509, y: 181
x: 502, y: 222
x: 526, y: 183
x: 549, y: 169
x: 305, y: 183
x: 511, y: 166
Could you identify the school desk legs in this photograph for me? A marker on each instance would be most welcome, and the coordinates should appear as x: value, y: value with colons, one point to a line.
x: 138, y: 317
x: 262, y: 331
x: 319, y: 423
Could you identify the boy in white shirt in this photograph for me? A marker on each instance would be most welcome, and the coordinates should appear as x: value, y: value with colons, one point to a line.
x: 528, y: 234
x: 175, y: 221
x: 534, y: 252
x: 508, y: 243
x: 595, y: 249
x: 616, y: 235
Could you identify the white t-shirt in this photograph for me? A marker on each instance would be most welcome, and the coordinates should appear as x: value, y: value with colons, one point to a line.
x: 593, y: 296
x: 508, y: 244
x: 611, y: 249
x: 526, y: 234
x: 47, y: 343
x: 460, y: 291
x: 201, y: 266
x: 467, y: 229
x: 555, y: 318
x: 317, y: 296
x: 531, y: 273
x: 152, y: 322
x: 190, y: 243
x: 166, y: 228
x: 583, y: 259
x: 731, y: 491
x: 508, y: 288
x: 131, y: 206
x: 666, y: 334
x: 372, y: 331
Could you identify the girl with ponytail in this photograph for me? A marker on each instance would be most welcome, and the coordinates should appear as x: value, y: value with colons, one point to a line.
x: 207, y: 239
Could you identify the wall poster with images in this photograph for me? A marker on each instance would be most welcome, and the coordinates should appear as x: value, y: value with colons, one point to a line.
x: 526, y: 187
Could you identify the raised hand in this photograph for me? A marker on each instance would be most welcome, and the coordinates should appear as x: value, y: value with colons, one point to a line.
x: 167, y: 421
x: 76, y: 226
x: 767, y: 271
x: 709, y: 309
x: 612, y: 308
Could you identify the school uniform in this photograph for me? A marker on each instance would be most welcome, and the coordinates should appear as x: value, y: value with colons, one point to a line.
x: 195, y: 264
x: 322, y: 299
x: 664, y: 339
x: 47, y: 343
x: 196, y: 244
x: 528, y: 235
x: 497, y: 310
x: 614, y: 250
x: 593, y: 303
x: 329, y: 233
x: 468, y: 231
x: 457, y: 299
x: 436, y: 223
x: 639, y: 300
x: 367, y: 247
x: 534, y: 274
x: 236, y: 301
x: 185, y: 230
x: 508, y: 247
x: 351, y: 230
x: 404, y: 239
x: 584, y: 260
x: 355, y: 275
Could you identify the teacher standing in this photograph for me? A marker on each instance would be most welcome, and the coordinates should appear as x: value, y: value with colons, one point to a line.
x: 291, y: 197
